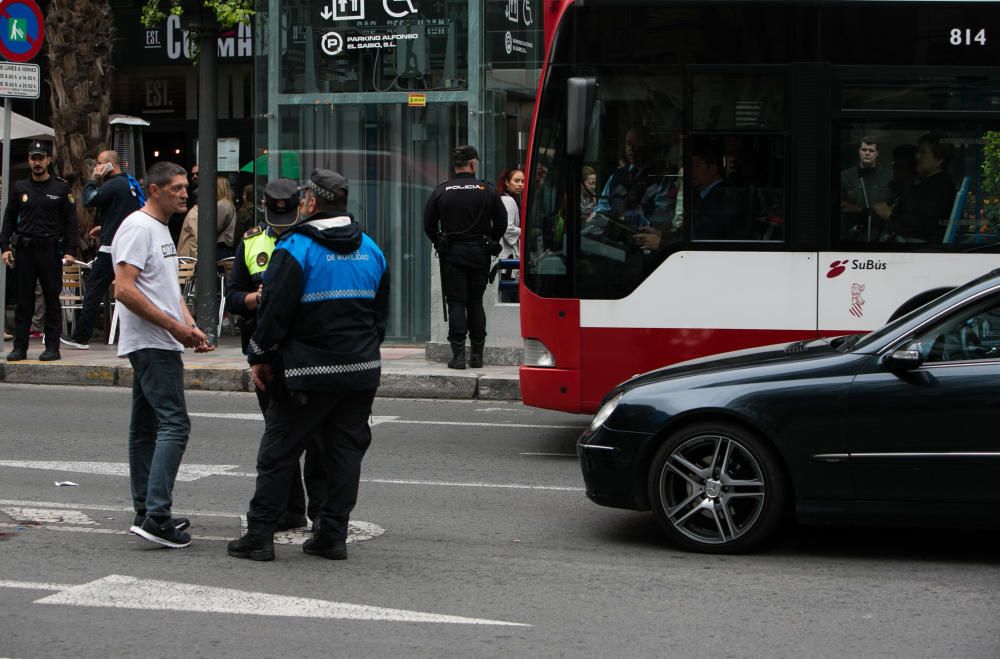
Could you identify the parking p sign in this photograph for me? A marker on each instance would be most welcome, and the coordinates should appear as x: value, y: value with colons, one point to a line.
x: 22, y: 29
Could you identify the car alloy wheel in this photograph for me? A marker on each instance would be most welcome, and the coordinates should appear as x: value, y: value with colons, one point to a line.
x: 716, y: 488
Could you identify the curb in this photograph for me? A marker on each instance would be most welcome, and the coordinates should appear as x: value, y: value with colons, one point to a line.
x: 394, y: 384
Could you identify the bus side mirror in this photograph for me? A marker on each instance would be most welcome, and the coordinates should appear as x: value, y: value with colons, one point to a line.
x: 581, y: 93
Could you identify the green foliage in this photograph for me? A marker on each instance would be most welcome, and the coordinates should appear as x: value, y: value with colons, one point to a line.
x: 228, y: 12
x: 991, y: 162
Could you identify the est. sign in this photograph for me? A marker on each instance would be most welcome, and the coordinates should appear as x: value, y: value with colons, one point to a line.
x: 22, y: 29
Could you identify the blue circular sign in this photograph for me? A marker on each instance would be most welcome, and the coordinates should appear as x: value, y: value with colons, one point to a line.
x: 22, y: 30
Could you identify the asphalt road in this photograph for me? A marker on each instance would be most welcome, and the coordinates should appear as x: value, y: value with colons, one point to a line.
x: 484, y: 545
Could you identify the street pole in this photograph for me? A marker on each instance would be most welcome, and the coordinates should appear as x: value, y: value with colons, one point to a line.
x: 3, y: 211
x: 207, y: 278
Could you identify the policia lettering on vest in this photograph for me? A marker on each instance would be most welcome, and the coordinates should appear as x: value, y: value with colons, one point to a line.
x: 465, y: 219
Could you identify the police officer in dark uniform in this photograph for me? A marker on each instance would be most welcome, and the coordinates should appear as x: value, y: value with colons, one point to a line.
x: 320, y: 325
x: 465, y: 219
x: 243, y: 296
x: 41, y: 225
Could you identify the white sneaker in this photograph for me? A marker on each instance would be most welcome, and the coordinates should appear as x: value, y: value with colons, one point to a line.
x: 73, y: 344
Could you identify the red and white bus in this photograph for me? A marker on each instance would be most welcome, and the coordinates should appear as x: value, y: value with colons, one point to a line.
x: 709, y: 176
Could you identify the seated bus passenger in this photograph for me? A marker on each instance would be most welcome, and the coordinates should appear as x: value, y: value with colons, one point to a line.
x: 921, y: 213
x: 714, y: 215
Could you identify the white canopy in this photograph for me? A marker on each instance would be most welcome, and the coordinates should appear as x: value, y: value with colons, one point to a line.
x: 22, y: 128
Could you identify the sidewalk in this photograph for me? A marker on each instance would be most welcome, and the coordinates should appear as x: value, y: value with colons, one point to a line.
x: 405, y: 372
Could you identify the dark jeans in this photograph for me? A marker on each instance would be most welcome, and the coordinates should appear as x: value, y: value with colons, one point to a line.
x: 315, y: 476
x: 463, y: 289
x: 41, y: 263
x: 101, y: 276
x: 339, y: 424
x: 159, y: 429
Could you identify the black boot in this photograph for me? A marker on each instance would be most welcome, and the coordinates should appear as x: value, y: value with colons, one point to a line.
x: 254, y: 547
x: 457, y: 355
x: 476, y: 354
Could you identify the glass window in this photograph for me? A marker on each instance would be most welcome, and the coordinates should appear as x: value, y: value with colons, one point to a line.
x: 734, y: 101
x: 887, y: 91
x: 973, y: 334
x: 736, y: 187
x: 369, y: 47
x: 919, y: 184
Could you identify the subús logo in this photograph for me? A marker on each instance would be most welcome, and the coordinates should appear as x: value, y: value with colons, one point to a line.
x: 838, y: 268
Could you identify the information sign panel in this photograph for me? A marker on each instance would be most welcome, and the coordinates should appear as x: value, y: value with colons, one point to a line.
x: 19, y: 80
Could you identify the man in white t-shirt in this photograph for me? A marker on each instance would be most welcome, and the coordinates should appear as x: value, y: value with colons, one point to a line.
x: 155, y: 327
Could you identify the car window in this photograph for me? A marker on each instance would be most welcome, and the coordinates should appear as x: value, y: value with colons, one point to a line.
x: 973, y: 333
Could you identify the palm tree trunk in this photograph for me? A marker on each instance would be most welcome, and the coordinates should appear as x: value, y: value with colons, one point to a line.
x: 78, y: 38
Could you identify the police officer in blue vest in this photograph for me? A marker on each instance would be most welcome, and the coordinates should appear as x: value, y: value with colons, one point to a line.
x: 316, y: 349
x: 243, y: 295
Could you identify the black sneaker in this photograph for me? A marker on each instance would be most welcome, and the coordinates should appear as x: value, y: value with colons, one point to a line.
x: 49, y: 355
x: 16, y: 355
x: 180, y: 523
x: 165, y: 534
x: 254, y: 547
x: 288, y: 522
x: 335, y: 550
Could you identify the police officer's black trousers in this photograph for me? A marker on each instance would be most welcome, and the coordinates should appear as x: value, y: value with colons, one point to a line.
x: 315, y: 476
x: 339, y: 421
x: 41, y: 262
x: 463, y: 289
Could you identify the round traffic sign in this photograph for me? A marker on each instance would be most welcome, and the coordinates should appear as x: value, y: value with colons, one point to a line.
x: 22, y: 29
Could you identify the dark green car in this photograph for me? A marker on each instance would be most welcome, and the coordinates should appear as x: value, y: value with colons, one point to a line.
x: 900, y: 426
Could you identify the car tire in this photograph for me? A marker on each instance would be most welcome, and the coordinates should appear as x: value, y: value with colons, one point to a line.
x: 717, y: 488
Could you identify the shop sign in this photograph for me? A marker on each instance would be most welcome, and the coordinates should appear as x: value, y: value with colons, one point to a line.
x: 170, y: 43
x: 417, y: 100
x: 513, y: 34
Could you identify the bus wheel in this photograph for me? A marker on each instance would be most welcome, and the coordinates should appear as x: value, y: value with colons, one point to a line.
x: 917, y: 301
x: 717, y: 488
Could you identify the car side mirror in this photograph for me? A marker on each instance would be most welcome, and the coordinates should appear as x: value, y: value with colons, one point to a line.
x: 581, y: 94
x: 906, y: 358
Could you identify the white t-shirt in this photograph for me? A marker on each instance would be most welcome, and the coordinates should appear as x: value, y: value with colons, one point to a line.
x: 145, y: 242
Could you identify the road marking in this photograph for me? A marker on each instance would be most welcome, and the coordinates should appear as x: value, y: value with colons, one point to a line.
x: 550, y: 455
x: 49, y: 516
x: 34, y: 585
x: 200, y: 471
x: 123, y: 592
x: 187, y: 472
x: 378, y: 420
x: 500, y: 486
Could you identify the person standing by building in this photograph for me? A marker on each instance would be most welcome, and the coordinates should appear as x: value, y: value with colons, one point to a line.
x: 41, y: 225
x: 244, y: 291
x: 316, y: 351
x: 465, y: 219
x: 156, y: 326
x: 114, y: 199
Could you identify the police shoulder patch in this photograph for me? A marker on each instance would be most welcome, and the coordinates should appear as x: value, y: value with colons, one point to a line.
x: 70, y: 197
x: 262, y: 258
x: 24, y: 198
x: 256, y: 231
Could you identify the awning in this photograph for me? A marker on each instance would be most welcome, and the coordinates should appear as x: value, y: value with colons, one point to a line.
x: 290, y: 167
x: 22, y: 128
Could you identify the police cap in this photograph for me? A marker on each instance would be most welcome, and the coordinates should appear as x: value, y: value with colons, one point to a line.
x: 39, y: 148
x: 327, y: 184
x: 281, y: 202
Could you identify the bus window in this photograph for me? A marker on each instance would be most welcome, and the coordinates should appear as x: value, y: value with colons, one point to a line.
x: 736, y: 187
x: 916, y: 186
x: 738, y: 101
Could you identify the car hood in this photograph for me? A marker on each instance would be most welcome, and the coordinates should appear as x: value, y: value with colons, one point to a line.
x: 771, y: 355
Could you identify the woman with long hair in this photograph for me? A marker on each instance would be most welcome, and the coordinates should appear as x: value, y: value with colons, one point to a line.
x: 509, y: 185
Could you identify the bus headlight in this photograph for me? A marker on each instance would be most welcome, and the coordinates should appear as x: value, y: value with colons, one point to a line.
x: 605, y: 411
x: 536, y: 354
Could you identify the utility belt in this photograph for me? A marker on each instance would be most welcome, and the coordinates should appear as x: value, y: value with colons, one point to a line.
x: 32, y: 242
x: 488, y: 246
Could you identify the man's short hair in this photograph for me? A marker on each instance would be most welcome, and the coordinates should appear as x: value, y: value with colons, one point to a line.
x: 708, y: 152
x: 868, y: 139
x: 943, y: 151
x: 161, y: 173
x: 462, y: 155
x: 113, y: 157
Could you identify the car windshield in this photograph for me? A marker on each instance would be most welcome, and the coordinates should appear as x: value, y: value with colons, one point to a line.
x: 863, y: 341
